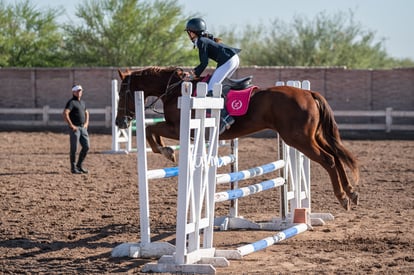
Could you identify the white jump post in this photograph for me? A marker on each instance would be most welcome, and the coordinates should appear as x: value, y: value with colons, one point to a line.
x: 295, y: 191
x: 298, y: 192
x: 145, y: 248
x: 196, y: 186
x: 120, y: 137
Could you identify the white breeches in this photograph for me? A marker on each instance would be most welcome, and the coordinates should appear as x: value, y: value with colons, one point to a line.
x: 224, y: 71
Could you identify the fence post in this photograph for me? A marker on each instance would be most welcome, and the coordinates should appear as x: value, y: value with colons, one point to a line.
x: 108, y: 116
x: 45, y: 115
x: 388, y: 119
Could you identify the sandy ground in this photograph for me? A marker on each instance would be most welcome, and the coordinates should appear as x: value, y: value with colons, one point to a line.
x: 53, y: 222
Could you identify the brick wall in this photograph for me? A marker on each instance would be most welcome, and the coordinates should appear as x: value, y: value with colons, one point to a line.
x: 344, y: 89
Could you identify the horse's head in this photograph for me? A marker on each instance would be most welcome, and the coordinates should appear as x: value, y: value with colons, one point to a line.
x: 153, y: 81
x: 126, y: 104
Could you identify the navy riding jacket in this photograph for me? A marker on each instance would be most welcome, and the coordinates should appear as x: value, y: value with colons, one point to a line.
x: 208, y: 48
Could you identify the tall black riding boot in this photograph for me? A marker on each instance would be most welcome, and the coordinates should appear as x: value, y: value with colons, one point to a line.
x: 80, y: 168
x: 225, y: 121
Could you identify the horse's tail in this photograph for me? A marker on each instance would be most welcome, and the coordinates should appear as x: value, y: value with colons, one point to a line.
x: 328, y: 136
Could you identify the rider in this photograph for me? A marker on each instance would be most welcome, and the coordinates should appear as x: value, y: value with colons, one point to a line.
x: 211, y: 48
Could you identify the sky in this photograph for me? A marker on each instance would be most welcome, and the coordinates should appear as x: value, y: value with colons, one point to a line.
x: 391, y: 20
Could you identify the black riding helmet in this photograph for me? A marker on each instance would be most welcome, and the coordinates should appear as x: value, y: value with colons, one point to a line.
x: 196, y: 25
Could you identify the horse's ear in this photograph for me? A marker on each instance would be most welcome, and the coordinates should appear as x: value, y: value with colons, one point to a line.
x: 121, y: 74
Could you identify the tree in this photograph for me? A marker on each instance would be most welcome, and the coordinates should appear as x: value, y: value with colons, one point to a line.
x: 128, y: 33
x: 29, y: 37
x: 335, y: 40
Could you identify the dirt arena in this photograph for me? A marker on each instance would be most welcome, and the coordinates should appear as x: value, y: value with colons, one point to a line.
x: 53, y: 222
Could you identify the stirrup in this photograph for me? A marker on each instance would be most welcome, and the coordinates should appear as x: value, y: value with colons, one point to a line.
x: 225, y: 125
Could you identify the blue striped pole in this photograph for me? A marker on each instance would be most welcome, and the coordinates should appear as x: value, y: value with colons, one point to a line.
x: 173, y: 171
x: 223, y: 178
x: 248, y: 190
x: 250, y: 173
x: 262, y: 244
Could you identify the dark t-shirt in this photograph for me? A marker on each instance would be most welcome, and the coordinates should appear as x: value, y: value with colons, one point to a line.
x: 77, y: 111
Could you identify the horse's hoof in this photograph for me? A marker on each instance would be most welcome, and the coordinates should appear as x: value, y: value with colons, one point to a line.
x: 345, y: 203
x: 355, y: 198
x: 168, y: 152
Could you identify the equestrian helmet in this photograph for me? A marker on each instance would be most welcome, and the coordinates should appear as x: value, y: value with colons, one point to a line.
x: 196, y: 25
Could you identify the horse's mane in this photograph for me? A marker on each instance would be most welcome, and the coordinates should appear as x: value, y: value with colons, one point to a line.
x: 153, y: 70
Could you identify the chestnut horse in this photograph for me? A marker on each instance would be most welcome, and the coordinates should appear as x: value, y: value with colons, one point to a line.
x: 302, y: 118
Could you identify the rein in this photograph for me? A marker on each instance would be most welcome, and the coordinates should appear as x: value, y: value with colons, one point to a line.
x: 168, y: 89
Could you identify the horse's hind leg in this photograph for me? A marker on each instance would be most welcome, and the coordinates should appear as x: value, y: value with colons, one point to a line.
x: 328, y: 162
x: 346, y: 185
x: 313, y: 151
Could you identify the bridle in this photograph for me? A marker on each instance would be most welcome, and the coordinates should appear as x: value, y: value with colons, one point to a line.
x: 129, y: 96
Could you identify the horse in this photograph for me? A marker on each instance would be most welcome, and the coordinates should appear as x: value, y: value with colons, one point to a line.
x: 302, y: 118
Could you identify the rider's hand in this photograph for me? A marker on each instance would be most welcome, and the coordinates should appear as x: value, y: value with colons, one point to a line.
x: 188, y: 76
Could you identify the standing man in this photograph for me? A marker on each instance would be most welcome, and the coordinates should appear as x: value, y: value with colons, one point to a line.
x: 77, y: 117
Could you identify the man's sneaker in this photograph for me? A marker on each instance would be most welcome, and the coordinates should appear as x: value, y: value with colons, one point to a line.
x: 82, y: 170
x: 75, y: 171
x: 225, y: 124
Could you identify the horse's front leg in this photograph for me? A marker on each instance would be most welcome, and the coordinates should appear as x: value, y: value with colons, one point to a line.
x: 154, y: 134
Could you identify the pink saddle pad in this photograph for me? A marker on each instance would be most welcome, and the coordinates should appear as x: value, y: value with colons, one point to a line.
x: 237, y: 102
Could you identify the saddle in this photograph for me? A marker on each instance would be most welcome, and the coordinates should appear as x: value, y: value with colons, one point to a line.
x: 236, y: 93
x: 237, y: 84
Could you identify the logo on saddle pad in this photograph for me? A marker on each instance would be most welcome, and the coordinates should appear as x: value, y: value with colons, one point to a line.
x: 237, y: 101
